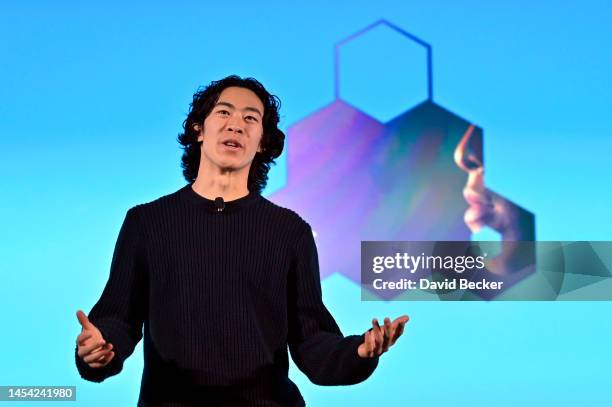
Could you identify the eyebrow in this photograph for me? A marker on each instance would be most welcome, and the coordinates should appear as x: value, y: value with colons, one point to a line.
x: 248, y: 108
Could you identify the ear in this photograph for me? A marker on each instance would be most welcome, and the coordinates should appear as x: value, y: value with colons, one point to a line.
x: 198, y: 128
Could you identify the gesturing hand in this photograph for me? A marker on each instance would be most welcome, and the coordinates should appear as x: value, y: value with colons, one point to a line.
x: 379, y: 339
x: 92, y: 347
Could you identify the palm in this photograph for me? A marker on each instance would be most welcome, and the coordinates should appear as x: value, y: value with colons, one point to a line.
x: 379, y: 339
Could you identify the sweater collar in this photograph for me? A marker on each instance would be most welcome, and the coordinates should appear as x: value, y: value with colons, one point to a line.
x: 188, y: 193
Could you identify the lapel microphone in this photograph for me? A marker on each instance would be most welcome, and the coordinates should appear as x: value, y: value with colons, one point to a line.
x: 219, y: 204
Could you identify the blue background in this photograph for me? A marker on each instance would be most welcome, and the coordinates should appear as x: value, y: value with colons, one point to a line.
x: 93, y: 96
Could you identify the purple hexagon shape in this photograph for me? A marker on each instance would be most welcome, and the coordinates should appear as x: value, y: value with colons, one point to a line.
x: 383, y: 70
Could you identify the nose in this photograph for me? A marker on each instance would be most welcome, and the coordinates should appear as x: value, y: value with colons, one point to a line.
x: 468, y: 157
x: 234, y: 124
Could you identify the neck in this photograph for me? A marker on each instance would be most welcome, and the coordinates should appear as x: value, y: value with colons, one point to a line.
x: 227, y: 184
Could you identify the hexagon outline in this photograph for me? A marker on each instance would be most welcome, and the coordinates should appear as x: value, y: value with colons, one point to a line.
x: 395, y: 28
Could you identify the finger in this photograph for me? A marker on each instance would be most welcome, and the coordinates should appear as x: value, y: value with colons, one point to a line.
x: 398, y: 327
x: 392, y: 331
x: 375, y: 324
x: 91, y: 346
x: 367, y: 343
x: 375, y: 334
x: 376, y: 343
x: 83, y: 336
x: 403, y: 319
x: 380, y: 341
x: 378, y: 337
x: 84, y: 350
x: 378, y: 330
x: 399, y: 331
x: 371, y: 344
x: 387, y: 334
x: 393, y: 328
x: 83, y: 320
x: 104, y: 350
x: 83, y: 353
x: 104, y: 362
x: 96, y: 356
x: 103, y: 358
x: 110, y: 357
x: 99, y: 353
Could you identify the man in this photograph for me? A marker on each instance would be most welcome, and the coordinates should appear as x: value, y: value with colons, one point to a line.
x: 222, y: 279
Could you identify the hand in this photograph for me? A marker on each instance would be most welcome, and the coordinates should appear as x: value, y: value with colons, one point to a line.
x: 92, y: 347
x: 379, y: 339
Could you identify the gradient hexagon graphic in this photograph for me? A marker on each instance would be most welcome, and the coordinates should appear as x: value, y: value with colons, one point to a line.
x: 356, y: 178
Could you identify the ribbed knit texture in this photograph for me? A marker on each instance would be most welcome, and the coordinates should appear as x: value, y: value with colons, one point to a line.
x: 221, y: 296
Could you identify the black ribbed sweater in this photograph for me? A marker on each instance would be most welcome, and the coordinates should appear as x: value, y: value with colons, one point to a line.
x: 221, y: 296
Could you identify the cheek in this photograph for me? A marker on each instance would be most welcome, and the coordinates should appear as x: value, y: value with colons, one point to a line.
x: 258, y: 144
x: 258, y: 138
x: 207, y: 147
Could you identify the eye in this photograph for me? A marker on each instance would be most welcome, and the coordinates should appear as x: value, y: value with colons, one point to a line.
x: 251, y: 119
x: 222, y: 112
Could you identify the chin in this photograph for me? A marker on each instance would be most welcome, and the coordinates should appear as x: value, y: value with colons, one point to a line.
x: 232, y: 166
x: 231, y: 163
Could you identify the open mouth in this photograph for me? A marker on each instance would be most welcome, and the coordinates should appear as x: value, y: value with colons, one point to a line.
x: 232, y: 144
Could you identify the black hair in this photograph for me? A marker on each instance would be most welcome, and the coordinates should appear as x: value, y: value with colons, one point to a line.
x: 272, y: 140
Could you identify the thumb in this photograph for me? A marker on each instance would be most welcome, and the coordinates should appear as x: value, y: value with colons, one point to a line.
x: 83, y: 320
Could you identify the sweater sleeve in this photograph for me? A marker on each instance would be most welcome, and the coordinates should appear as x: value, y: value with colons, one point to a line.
x: 316, y: 343
x: 120, y: 311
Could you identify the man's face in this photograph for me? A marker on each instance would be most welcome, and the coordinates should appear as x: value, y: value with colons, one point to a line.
x: 233, y: 129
